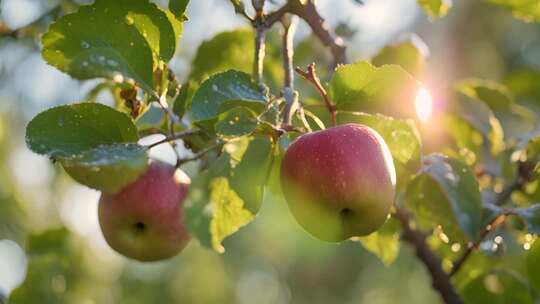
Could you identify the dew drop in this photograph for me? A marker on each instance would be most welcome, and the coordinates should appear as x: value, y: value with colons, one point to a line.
x: 85, y: 45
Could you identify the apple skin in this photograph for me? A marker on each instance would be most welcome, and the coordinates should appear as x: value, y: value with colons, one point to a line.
x: 144, y: 221
x: 339, y: 182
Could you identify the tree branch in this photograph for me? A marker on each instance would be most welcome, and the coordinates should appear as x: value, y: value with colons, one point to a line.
x: 177, y: 136
x: 240, y: 9
x: 260, y: 41
x: 320, y: 28
x: 199, y: 155
x: 440, y: 279
x: 473, y: 246
x: 311, y: 76
x: 524, y: 175
x: 290, y: 95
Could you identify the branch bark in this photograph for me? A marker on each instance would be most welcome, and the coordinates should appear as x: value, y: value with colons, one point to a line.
x: 174, y: 137
x: 490, y: 227
x: 311, y: 75
x: 524, y: 175
x: 320, y: 28
x: 290, y: 95
x: 260, y: 41
x: 440, y: 279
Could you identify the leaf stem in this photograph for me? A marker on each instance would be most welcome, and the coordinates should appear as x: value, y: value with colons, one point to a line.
x: 311, y: 75
x: 199, y: 155
x: 177, y: 136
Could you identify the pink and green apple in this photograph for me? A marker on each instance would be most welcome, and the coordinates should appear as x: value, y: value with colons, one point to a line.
x: 339, y: 182
x: 144, y: 221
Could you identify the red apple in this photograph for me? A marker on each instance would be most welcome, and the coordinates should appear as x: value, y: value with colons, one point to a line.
x: 144, y: 221
x: 339, y: 182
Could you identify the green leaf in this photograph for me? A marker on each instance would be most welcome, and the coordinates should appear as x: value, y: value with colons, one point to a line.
x: 497, y: 287
x: 494, y: 94
x: 184, y: 98
x: 251, y: 170
x: 233, y: 48
x: 71, y: 129
x: 533, y: 264
x: 358, y: 86
x: 531, y: 216
x: 228, y: 194
x: 528, y: 150
x: 50, y: 241
x: 213, y: 209
x: 384, y: 243
x: 178, y: 8
x: 225, y: 89
x: 229, y: 212
x: 112, y: 37
x: 236, y: 122
x: 153, y: 117
x: 480, y: 117
x: 467, y: 138
x: 236, y: 49
x: 515, y: 119
x: 409, y: 53
x: 401, y: 136
x: 446, y: 193
x: 435, y: 8
x: 526, y: 10
x: 95, y: 143
x: 524, y: 84
x: 108, y: 168
x: 54, y: 268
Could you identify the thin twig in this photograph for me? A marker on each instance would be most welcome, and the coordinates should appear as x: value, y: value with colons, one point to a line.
x: 260, y: 52
x: 440, y: 279
x: 290, y: 95
x: 524, y: 175
x: 308, y: 12
x: 5, y: 31
x: 240, y: 9
x: 151, y: 131
x: 276, y: 16
x: 199, y: 155
x: 311, y: 75
x: 473, y: 246
x: 260, y: 41
x: 177, y: 136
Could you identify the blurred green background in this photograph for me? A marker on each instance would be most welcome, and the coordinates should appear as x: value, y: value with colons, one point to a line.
x: 49, y: 234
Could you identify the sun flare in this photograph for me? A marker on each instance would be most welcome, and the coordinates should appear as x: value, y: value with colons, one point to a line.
x: 423, y: 104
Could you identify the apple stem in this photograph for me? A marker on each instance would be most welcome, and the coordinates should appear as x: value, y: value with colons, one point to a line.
x: 311, y: 75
